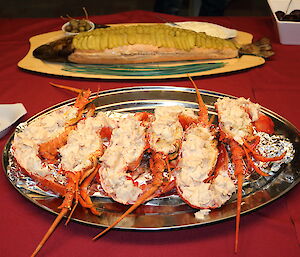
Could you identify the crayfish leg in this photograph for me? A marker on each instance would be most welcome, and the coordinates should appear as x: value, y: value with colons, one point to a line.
x: 261, y: 158
x: 252, y: 164
x: 84, y: 198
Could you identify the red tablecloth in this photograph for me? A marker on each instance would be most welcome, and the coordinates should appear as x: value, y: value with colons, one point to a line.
x: 271, y: 231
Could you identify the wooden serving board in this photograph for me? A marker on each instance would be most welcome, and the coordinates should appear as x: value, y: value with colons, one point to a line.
x: 137, y: 71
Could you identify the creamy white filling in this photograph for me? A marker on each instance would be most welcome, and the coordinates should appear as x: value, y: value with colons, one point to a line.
x: 166, y: 129
x: 126, y: 146
x: 83, y: 143
x: 119, y: 186
x: 236, y: 115
x: 43, y: 129
x: 252, y: 108
x: 223, y: 187
x: 199, y: 196
x: 200, y: 215
x: 206, y: 195
x: 199, y: 156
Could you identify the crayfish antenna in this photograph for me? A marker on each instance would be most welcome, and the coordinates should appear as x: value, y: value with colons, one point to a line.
x: 203, y: 113
x: 83, y: 98
x: 142, y: 199
x: 71, y: 213
x: 63, y: 212
x: 238, y: 210
x: 72, y: 89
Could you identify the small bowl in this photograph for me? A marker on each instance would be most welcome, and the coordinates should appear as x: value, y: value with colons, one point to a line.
x: 9, y: 114
x: 73, y: 34
x: 288, y: 31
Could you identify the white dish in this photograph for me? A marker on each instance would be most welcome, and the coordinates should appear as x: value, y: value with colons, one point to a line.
x: 9, y: 114
x: 288, y: 31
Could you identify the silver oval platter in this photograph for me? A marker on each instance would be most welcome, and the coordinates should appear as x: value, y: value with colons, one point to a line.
x: 170, y: 211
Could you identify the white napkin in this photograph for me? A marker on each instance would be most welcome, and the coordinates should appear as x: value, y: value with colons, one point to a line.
x: 9, y: 114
